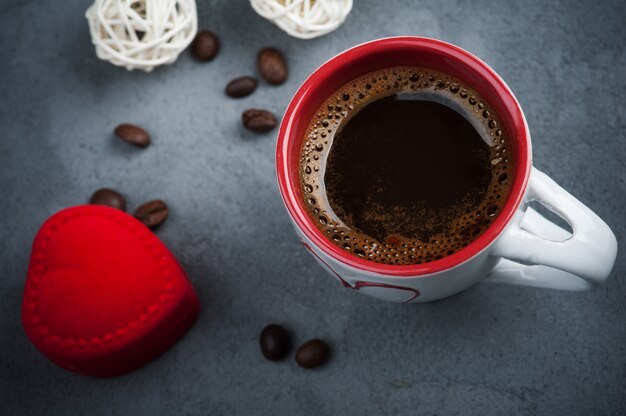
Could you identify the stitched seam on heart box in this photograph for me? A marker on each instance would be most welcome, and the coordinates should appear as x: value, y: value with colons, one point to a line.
x: 40, y: 268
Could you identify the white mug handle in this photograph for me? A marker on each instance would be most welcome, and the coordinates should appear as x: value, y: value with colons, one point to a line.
x: 536, y: 252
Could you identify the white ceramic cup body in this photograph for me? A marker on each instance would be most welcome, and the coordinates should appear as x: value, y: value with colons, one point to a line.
x: 529, y: 250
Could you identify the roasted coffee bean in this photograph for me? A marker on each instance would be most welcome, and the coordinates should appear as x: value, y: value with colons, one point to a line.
x: 257, y: 120
x: 272, y: 65
x: 312, y: 353
x: 275, y: 342
x: 205, y: 45
x: 152, y: 213
x: 241, y: 87
x: 109, y: 198
x: 132, y: 134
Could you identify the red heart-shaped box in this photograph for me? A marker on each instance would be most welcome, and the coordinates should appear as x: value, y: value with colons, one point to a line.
x: 103, y: 295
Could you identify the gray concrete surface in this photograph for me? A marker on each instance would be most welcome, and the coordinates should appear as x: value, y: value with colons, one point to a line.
x: 492, y: 350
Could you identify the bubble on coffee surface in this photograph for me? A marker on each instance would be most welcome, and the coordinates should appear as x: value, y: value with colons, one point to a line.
x: 395, y: 248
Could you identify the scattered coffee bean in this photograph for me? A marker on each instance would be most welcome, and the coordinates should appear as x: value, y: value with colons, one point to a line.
x: 109, y: 198
x: 272, y: 65
x: 132, y: 134
x: 260, y: 121
x: 241, y: 87
x: 205, y: 45
x: 312, y: 353
x: 275, y: 342
x: 152, y: 213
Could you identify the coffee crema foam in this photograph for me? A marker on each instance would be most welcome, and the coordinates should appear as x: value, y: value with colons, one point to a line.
x: 468, y: 221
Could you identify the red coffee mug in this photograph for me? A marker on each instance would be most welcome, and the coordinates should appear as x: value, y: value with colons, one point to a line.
x: 520, y: 247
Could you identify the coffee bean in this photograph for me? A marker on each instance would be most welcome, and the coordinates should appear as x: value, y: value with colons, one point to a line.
x: 241, y: 87
x: 275, y: 342
x: 312, y: 353
x: 260, y: 121
x: 272, y: 65
x: 152, y: 213
x: 109, y: 198
x: 132, y: 134
x: 205, y: 45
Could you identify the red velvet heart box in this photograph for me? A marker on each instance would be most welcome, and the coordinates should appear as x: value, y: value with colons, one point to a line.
x: 103, y: 295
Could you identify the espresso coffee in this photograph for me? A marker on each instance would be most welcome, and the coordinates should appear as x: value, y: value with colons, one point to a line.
x: 404, y: 166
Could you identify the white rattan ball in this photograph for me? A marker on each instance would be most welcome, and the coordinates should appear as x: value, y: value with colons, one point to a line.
x: 304, y: 19
x: 141, y: 34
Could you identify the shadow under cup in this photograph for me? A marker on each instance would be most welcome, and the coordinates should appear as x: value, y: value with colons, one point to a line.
x: 386, y: 53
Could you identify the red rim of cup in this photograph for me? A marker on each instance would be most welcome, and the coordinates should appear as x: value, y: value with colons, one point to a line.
x: 460, y: 64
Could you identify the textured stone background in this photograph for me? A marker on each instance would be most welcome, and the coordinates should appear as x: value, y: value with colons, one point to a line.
x: 491, y: 350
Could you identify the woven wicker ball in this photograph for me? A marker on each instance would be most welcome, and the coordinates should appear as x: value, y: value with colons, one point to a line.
x: 141, y: 34
x: 304, y: 19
